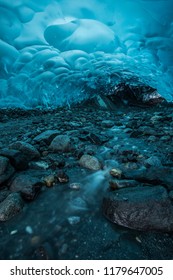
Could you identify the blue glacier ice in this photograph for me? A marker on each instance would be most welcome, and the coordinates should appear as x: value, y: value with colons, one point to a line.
x: 58, y: 52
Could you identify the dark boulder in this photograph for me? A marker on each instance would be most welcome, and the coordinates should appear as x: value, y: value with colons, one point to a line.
x: 27, y: 149
x: 143, y: 208
x: 28, y: 186
x: 6, y: 170
x: 46, y: 136
x: 17, y: 159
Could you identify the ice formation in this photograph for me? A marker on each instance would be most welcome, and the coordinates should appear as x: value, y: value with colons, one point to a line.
x: 55, y: 52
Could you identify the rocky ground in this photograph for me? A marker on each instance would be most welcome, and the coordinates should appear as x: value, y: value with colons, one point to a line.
x: 86, y: 183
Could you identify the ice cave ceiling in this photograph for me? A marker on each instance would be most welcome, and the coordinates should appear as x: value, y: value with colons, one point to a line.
x: 54, y: 52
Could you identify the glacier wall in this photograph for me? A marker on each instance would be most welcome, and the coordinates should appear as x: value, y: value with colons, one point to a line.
x: 57, y: 52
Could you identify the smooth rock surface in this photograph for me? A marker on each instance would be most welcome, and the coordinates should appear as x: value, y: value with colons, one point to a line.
x: 60, y: 143
x: 28, y: 186
x: 143, y: 208
x: 27, y: 149
x: 90, y: 162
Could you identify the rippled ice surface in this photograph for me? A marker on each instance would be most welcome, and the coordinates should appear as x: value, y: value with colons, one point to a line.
x: 61, y: 52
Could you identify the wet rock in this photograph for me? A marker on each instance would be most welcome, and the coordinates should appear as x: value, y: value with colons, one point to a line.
x: 153, y: 161
x: 90, y: 150
x: 116, y: 172
x: 11, y: 206
x: 107, y: 124
x: 61, y: 143
x: 35, y: 240
x: 143, y: 208
x: 28, y: 186
x: 27, y: 149
x: 29, y: 230
x: 90, y: 162
x: 62, y: 177
x: 154, y: 175
x: 6, y: 170
x: 15, y: 231
x: 56, y: 161
x: 49, y: 181
x: 93, y: 137
x: 97, y: 139
x: 117, y: 184
x: 17, y: 159
x: 39, y: 165
x: 46, y: 136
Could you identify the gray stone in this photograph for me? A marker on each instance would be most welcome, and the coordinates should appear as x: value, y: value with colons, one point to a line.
x: 90, y: 162
x: 11, y: 206
x: 119, y: 184
x: 28, y: 186
x: 6, y: 170
x: 143, y: 208
x: 39, y: 165
x: 27, y: 149
x: 107, y: 124
x: 61, y: 143
x: 153, y: 161
x: 46, y: 136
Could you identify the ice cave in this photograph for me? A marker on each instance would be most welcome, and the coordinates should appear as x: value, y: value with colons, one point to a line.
x: 50, y: 47
x: 86, y: 125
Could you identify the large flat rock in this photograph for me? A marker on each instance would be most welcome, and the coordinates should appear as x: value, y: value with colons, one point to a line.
x: 142, y: 208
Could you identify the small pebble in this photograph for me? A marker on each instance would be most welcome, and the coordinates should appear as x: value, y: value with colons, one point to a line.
x: 14, y: 232
x: 49, y: 181
x: 29, y: 230
x: 75, y: 186
x: 62, y: 177
x: 115, y: 172
x: 138, y: 239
